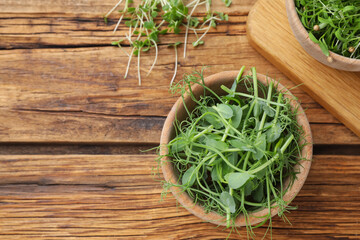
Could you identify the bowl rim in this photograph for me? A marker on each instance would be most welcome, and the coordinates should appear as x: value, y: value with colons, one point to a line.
x: 255, y: 217
x: 294, y: 18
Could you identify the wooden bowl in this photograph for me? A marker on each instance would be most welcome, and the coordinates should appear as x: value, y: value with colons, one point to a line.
x: 313, y: 49
x: 168, y: 133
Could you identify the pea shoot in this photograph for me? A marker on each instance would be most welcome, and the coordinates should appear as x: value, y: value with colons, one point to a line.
x: 234, y: 151
x: 149, y: 19
x: 332, y: 24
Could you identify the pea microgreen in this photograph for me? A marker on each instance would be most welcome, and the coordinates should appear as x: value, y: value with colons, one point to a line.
x: 149, y: 19
x: 332, y: 24
x: 234, y: 151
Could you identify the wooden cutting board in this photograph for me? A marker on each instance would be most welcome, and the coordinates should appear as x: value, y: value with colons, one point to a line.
x: 338, y: 91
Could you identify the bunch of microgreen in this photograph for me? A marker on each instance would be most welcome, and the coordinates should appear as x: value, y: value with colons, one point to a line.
x: 151, y: 18
x: 234, y: 151
x: 333, y: 24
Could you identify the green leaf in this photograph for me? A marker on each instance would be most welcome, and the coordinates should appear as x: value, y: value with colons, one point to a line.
x: 146, y: 49
x: 260, y: 147
x: 149, y: 24
x: 324, y: 47
x: 216, y: 161
x: 178, y: 146
x: 227, y: 2
x: 131, y: 10
x: 257, y: 109
x: 166, y: 7
x: 268, y: 110
x: 237, y: 179
x: 348, y: 8
x: 154, y: 14
x: 189, y: 177
x: 261, y: 173
x: 249, y: 187
x: 194, y: 22
x: 233, y: 158
x: 313, y: 38
x: 243, y: 145
x: 163, y: 31
x: 233, y: 88
x: 338, y: 36
x: 212, y: 119
x: 237, y: 115
x: 224, y: 110
x: 216, y: 144
x: 228, y: 201
x: 274, y: 132
x: 214, y: 175
x: 258, y: 194
x: 196, y: 43
x: 177, y: 30
x: 128, y: 23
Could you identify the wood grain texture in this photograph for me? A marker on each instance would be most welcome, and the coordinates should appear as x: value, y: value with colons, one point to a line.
x: 116, y: 197
x: 336, y: 90
x: 37, y: 103
x: 68, y: 122
x: 69, y: 46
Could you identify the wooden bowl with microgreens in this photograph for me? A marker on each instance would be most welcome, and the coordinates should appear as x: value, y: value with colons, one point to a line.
x: 328, y: 30
x: 235, y: 149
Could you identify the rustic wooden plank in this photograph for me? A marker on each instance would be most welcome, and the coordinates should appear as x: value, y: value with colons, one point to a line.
x: 70, y: 127
x: 74, y: 30
x: 36, y: 98
x: 119, y: 170
x: 62, y: 127
x: 93, y: 6
x: 84, y: 198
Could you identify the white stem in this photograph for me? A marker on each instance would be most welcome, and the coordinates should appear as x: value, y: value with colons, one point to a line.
x: 113, y: 8
x: 128, y: 65
x: 192, y: 11
x: 175, y: 71
x: 136, y: 25
x: 187, y: 26
x: 156, y: 55
x: 118, y: 23
x: 196, y: 35
x: 186, y: 37
x: 203, y: 34
x: 355, y: 50
x: 128, y: 38
x: 212, y: 18
x: 162, y: 22
x: 139, y: 67
x: 207, y: 6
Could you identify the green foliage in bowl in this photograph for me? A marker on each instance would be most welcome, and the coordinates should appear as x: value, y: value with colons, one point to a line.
x: 333, y: 24
x: 234, y: 151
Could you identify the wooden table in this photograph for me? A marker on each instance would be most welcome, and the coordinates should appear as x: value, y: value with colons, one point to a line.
x: 71, y: 131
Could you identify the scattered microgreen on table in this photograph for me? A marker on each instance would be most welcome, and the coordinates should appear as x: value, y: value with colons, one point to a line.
x: 332, y: 24
x: 149, y: 19
x: 234, y: 151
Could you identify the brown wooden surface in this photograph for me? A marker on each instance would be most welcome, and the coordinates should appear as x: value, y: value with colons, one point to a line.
x: 338, y: 91
x: 71, y: 131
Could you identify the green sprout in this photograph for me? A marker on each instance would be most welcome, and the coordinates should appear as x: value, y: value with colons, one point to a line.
x: 332, y: 24
x: 149, y: 19
x: 234, y: 151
